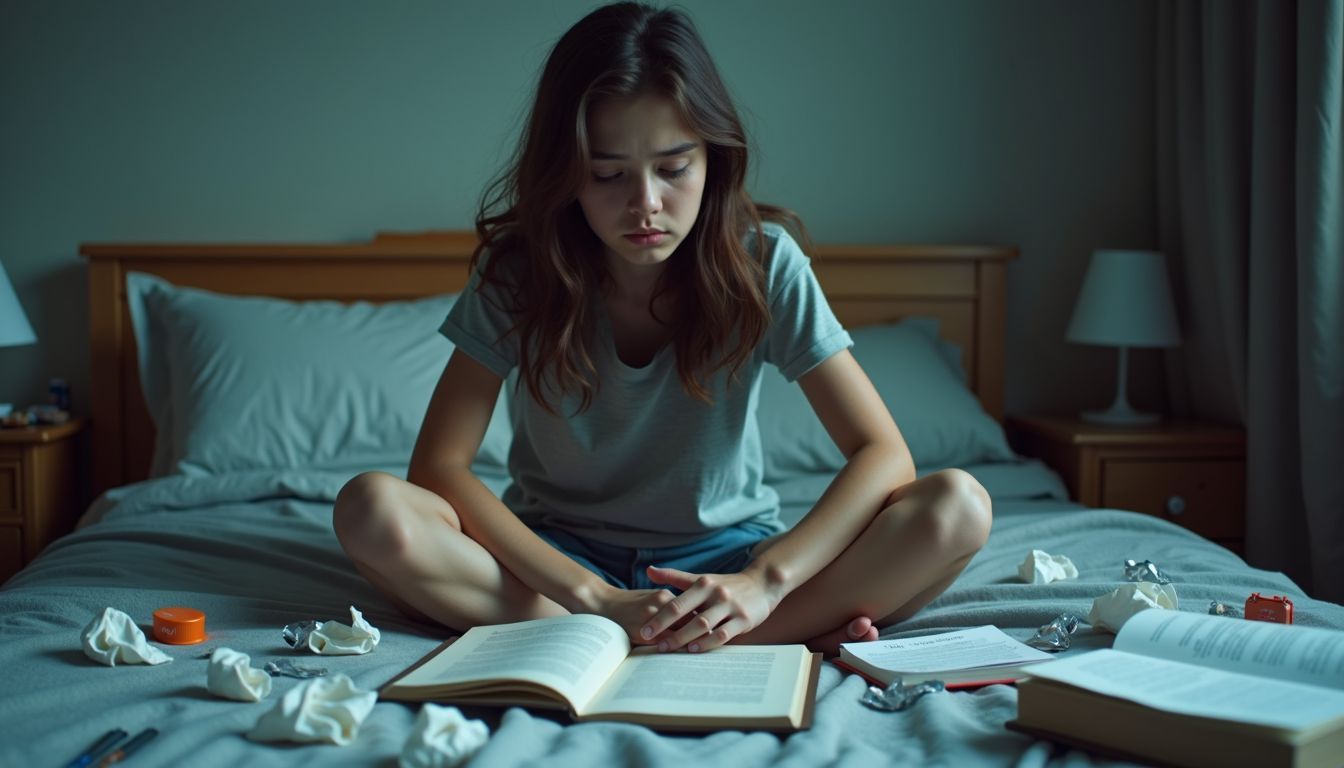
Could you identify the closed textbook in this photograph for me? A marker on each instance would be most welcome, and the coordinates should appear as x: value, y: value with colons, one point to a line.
x: 586, y: 664
x: 1192, y: 689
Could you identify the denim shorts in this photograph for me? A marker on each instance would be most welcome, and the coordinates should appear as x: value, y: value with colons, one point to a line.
x: 727, y: 550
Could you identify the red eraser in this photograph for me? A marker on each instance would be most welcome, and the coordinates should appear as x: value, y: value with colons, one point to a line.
x: 1276, y: 608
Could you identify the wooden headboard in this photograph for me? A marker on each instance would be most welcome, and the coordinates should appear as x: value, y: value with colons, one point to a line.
x: 963, y: 286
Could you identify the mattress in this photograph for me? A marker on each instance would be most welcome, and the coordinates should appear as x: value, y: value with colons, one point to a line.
x: 255, y: 551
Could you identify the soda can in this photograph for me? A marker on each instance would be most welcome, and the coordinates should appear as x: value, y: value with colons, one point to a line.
x: 58, y: 394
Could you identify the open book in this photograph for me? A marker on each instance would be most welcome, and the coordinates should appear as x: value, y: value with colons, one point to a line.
x: 1194, y: 689
x: 967, y: 658
x: 585, y: 664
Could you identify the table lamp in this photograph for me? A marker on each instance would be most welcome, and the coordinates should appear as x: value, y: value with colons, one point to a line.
x: 1125, y: 302
x: 14, y: 327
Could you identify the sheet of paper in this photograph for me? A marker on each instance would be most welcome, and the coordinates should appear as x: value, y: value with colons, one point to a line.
x: 1192, y: 690
x: 979, y: 647
x: 1282, y: 651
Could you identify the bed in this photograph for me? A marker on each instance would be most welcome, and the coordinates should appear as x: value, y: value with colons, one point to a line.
x: 232, y: 398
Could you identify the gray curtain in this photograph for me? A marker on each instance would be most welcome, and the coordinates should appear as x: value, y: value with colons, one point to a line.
x: 1250, y: 141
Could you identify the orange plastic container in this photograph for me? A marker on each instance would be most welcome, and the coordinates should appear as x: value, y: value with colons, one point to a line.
x: 179, y: 626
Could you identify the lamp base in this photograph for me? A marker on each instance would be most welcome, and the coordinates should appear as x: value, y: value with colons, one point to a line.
x: 1121, y: 417
x: 1121, y: 413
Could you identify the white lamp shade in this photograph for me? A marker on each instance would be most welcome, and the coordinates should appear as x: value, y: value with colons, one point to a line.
x: 14, y: 327
x: 1125, y: 301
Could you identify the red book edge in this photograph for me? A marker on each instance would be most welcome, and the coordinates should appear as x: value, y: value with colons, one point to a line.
x: 965, y: 685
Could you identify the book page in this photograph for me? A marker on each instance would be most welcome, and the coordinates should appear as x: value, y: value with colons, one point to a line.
x: 1192, y: 690
x: 732, y: 681
x: 572, y: 654
x: 1279, y: 651
x: 965, y: 649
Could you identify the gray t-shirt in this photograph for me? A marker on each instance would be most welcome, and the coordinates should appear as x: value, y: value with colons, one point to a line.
x: 647, y: 465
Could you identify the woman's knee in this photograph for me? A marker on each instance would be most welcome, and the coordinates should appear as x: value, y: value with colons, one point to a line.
x: 954, y: 510
x: 371, y: 514
x: 964, y: 506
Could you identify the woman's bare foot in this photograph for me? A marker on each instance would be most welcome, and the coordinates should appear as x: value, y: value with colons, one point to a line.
x: 856, y: 631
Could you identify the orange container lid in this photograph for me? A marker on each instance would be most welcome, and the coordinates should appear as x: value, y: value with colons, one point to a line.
x: 179, y: 626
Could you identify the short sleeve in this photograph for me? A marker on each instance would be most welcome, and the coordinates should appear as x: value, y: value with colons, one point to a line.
x: 479, y: 325
x: 803, y: 330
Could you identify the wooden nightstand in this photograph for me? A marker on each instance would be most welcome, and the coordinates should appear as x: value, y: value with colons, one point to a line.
x: 1190, y: 473
x: 41, y: 489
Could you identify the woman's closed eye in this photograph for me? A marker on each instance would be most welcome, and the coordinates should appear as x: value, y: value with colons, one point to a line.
x: 667, y: 173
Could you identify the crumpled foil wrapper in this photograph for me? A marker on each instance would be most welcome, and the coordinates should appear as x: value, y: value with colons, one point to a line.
x: 1057, y: 635
x: 1145, y: 570
x: 296, y: 634
x: 287, y: 668
x: 1219, y: 608
x: 898, y: 696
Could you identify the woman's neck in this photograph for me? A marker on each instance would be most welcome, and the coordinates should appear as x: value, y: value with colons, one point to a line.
x: 638, y: 329
x: 632, y: 285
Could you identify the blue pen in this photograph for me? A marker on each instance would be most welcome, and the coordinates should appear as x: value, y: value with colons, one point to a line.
x: 125, y: 750
x: 99, y: 747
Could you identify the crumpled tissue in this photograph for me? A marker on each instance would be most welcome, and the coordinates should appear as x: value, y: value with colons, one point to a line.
x: 232, y: 676
x: 1041, y: 567
x: 332, y: 638
x: 113, y: 637
x: 326, y: 709
x: 442, y: 737
x: 1113, y: 610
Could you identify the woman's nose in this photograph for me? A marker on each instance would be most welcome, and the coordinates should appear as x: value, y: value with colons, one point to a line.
x: 644, y: 197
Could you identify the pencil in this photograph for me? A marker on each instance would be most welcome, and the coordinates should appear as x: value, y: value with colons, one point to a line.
x: 100, y: 746
x: 125, y: 750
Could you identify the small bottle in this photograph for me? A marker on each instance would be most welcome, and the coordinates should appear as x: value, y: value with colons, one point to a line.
x: 58, y: 394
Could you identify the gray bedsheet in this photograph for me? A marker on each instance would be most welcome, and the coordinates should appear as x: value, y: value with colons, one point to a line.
x: 256, y: 552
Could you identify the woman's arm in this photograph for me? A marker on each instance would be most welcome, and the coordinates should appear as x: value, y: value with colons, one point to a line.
x: 877, y: 463
x: 455, y: 424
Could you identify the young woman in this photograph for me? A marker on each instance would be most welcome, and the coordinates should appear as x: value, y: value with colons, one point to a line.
x: 627, y: 281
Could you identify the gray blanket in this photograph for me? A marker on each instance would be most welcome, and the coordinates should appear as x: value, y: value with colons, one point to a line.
x: 256, y: 552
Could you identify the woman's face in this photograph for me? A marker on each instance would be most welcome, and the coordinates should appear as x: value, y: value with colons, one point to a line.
x: 648, y: 177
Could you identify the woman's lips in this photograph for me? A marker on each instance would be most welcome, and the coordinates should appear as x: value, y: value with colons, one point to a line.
x: 646, y: 238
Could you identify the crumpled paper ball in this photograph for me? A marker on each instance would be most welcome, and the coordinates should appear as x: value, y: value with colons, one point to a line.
x: 1041, y: 567
x: 112, y: 638
x: 231, y: 676
x: 326, y: 709
x: 332, y: 638
x: 442, y: 737
x: 1110, y: 612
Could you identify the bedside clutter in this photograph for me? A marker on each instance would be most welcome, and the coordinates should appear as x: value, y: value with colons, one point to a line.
x: 37, y: 414
x: 1191, y: 473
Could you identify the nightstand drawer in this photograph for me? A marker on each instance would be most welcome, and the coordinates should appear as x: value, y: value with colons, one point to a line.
x: 41, y: 491
x: 10, y: 490
x: 1208, y: 497
x: 11, y: 551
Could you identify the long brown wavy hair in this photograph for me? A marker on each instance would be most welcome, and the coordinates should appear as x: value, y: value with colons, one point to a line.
x: 546, y: 258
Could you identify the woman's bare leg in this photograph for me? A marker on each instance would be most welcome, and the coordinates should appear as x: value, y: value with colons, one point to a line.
x: 912, y: 550
x: 408, y: 542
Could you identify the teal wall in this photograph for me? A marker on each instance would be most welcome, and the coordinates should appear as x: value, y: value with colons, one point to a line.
x: 1025, y: 122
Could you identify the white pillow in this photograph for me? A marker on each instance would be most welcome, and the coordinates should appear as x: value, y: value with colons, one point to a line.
x: 920, y: 379
x: 237, y: 383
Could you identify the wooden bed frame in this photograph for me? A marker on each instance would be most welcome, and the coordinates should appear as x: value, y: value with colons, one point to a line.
x: 963, y: 286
